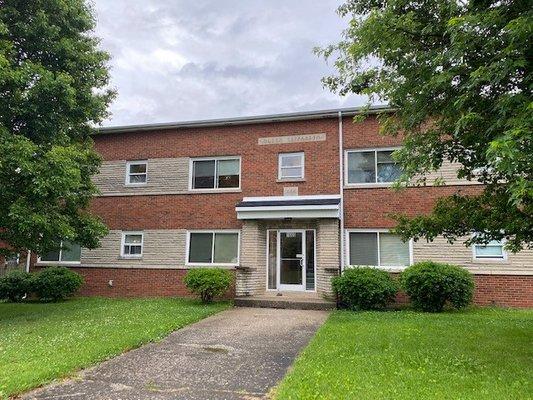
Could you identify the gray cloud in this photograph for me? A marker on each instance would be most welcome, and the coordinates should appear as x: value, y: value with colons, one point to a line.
x: 181, y: 60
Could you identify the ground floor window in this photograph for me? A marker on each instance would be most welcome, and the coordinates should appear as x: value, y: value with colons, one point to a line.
x: 213, y: 247
x: 67, y: 253
x: 380, y: 249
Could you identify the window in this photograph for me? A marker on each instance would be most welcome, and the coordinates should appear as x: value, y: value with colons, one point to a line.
x: 216, y: 173
x: 491, y: 250
x: 132, y: 244
x: 136, y: 172
x: 12, y: 260
x: 291, y: 166
x: 380, y: 249
x: 67, y: 253
x: 213, y: 247
x: 371, y: 166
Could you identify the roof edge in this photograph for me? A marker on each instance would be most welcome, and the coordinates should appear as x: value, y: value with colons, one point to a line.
x: 295, y: 116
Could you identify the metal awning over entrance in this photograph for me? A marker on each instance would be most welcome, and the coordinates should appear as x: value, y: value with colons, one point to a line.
x: 274, y: 207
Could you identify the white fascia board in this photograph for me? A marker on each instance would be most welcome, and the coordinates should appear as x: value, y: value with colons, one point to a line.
x: 252, y: 213
x: 288, y: 208
x: 290, y: 198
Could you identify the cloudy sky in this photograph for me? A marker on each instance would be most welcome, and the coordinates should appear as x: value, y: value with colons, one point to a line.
x: 178, y: 60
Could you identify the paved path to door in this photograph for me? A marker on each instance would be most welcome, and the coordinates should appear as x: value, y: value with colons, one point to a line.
x: 237, y: 354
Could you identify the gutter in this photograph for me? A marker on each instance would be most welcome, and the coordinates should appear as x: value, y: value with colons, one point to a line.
x: 297, y: 116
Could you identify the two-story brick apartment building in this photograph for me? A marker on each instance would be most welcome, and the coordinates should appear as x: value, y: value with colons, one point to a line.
x: 281, y: 200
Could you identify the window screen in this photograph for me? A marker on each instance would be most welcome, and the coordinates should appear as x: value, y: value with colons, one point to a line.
x: 226, y: 247
x: 201, y: 247
x: 363, y: 249
x: 216, y: 173
x: 214, y: 247
x: 378, y: 249
x: 204, y: 174
x: 393, y: 252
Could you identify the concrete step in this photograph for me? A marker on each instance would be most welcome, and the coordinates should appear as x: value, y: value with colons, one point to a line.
x: 287, y: 303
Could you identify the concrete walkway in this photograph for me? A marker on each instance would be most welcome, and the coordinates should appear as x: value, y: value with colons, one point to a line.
x: 237, y: 354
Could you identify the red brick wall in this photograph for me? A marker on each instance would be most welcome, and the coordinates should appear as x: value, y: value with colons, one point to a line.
x: 504, y: 290
x: 495, y: 290
x: 259, y: 162
x: 491, y: 290
x: 136, y: 282
x: 369, y: 208
x: 195, y: 211
x: 361, y: 135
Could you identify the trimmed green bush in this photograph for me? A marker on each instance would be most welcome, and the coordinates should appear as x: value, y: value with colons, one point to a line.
x: 56, y: 283
x: 14, y: 285
x: 365, y: 288
x: 430, y: 285
x: 208, y: 282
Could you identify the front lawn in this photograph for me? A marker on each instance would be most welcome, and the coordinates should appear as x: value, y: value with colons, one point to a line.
x: 41, y: 342
x: 474, y: 354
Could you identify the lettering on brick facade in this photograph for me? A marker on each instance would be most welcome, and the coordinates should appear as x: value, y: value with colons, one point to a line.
x: 313, y: 137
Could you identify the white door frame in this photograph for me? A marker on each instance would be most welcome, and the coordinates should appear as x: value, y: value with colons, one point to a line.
x: 303, y: 261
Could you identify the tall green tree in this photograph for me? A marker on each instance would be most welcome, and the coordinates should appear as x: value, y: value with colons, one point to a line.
x: 53, y: 91
x: 459, y: 75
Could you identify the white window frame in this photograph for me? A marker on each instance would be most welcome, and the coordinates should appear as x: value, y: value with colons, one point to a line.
x: 301, y: 154
x: 215, y: 189
x: 59, y: 262
x: 377, y: 231
x: 367, y: 184
x: 129, y: 174
x: 212, y: 264
x: 123, y: 243
x: 477, y: 258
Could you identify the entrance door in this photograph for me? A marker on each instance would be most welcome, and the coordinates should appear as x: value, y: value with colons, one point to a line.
x: 291, y: 259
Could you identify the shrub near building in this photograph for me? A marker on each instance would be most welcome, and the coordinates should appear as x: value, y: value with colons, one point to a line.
x: 365, y: 288
x: 50, y: 284
x: 15, y: 285
x: 208, y: 282
x: 56, y: 283
x: 431, y: 285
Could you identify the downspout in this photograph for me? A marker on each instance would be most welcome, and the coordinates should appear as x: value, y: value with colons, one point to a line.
x: 341, y: 190
x: 28, y: 258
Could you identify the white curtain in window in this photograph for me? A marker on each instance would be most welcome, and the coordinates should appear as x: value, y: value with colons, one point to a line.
x: 393, y: 252
x: 226, y: 247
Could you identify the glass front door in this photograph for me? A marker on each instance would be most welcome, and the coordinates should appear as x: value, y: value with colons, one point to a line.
x: 291, y: 259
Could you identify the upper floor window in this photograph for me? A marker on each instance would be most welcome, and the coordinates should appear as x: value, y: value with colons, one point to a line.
x: 371, y: 166
x: 216, y: 173
x: 379, y: 249
x: 492, y: 250
x: 67, y: 253
x: 132, y: 244
x: 213, y: 247
x: 291, y: 166
x: 136, y: 172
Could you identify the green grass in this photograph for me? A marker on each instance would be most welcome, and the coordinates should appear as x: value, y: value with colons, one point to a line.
x: 474, y: 354
x: 42, y: 342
